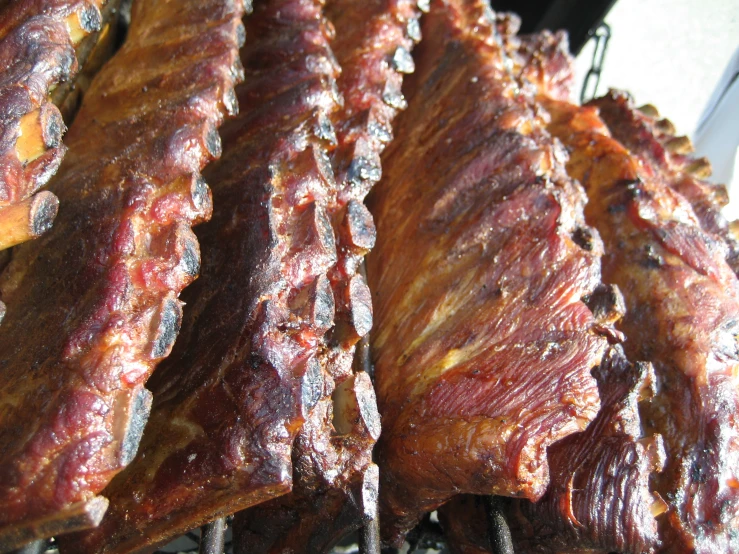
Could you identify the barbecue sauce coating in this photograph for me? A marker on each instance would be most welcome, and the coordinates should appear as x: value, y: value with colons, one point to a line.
x: 483, y: 348
x: 654, y: 142
x: 682, y: 305
x: 334, y: 481
x: 247, y: 371
x: 93, y: 306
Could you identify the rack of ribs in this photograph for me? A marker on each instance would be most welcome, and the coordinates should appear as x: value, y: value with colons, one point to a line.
x: 93, y: 306
x: 335, y: 483
x: 682, y: 302
x: 250, y: 367
x: 599, y: 497
x: 653, y: 141
x: 483, y: 345
x: 40, y: 44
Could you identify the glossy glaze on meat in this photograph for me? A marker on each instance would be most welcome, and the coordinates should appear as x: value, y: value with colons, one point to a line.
x: 335, y: 482
x: 483, y: 347
x: 682, y: 305
x: 247, y: 370
x: 93, y: 306
x: 653, y: 141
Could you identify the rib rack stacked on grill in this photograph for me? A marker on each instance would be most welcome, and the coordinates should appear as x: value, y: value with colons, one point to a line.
x: 483, y: 347
x: 497, y: 364
x: 248, y: 369
x: 93, y: 306
x: 682, y: 301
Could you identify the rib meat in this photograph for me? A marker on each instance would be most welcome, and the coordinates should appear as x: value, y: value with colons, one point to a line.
x: 682, y: 302
x: 93, y: 306
x: 335, y: 482
x: 599, y: 498
x: 483, y: 348
x: 248, y: 369
x: 654, y: 142
x: 38, y: 41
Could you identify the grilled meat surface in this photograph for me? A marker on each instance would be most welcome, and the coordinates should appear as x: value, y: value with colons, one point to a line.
x: 483, y: 348
x: 249, y: 368
x: 682, y: 303
x: 335, y: 482
x: 653, y: 141
x: 38, y: 41
x: 93, y: 306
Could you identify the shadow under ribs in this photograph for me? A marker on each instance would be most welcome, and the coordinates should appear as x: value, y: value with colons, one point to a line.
x: 483, y: 348
x: 40, y: 43
x: 335, y: 484
x: 93, y: 306
x: 682, y: 308
x: 249, y: 367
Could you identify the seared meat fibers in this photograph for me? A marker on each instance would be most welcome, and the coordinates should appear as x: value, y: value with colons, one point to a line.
x: 682, y: 305
x: 247, y: 370
x: 335, y: 483
x: 654, y: 142
x: 599, y: 497
x: 92, y: 307
x: 483, y: 347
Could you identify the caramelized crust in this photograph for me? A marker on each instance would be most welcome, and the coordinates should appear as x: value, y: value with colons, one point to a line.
x: 682, y: 301
x: 93, y: 306
x: 483, y: 348
x: 38, y: 53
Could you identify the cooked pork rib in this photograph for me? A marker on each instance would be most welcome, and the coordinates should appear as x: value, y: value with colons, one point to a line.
x: 37, y: 53
x: 335, y: 483
x: 93, y: 306
x: 682, y: 302
x: 248, y: 369
x: 653, y: 140
x: 599, y: 496
x: 483, y: 348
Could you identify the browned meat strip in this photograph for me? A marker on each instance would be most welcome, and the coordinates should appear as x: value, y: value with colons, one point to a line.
x: 38, y: 39
x: 653, y: 141
x: 483, y: 348
x: 249, y: 367
x: 93, y: 306
x: 682, y: 301
x: 335, y: 483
